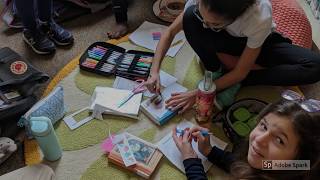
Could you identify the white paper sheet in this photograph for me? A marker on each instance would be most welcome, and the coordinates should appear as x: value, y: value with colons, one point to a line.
x: 168, y: 147
x: 143, y: 37
x: 123, y: 83
x: 159, y: 110
x: 111, y: 97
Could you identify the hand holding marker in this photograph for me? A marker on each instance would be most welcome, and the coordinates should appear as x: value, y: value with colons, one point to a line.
x: 203, y: 132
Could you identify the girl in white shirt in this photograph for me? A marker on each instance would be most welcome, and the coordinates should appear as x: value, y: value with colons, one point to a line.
x: 241, y: 28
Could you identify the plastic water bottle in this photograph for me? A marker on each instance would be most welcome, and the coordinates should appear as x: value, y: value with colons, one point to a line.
x: 42, y: 130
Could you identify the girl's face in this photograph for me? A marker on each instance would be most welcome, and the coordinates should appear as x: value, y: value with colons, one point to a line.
x: 273, y: 138
x: 210, y: 19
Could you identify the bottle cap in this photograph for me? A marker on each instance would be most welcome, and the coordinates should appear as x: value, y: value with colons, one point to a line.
x: 39, y: 127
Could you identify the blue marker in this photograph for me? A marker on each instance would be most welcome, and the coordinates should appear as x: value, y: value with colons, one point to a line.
x: 203, y: 132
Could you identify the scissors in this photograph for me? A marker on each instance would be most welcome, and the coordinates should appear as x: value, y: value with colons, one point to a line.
x: 138, y: 89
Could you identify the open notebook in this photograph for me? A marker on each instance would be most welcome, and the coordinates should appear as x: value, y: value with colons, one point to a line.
x: 159, y: 113
x: 109, y: 98
x: 168, y: 147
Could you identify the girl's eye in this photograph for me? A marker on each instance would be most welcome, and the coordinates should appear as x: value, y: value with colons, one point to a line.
x: 263, y: 126
x: 279, y: 140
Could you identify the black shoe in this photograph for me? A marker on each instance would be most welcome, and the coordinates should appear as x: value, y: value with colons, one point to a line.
x: 56, y: 33
x: 38, y: 42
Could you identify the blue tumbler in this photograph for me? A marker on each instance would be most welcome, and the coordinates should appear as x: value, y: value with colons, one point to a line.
x: 42, y: 130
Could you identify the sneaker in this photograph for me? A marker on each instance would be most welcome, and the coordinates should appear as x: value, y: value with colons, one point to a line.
x: 38, y: 42
x: 56, y: 33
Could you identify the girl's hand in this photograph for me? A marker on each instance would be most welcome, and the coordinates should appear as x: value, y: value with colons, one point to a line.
x: 184, y: 100
x: 204, y: 145
x: 184, y: 144
x: 153, y: 83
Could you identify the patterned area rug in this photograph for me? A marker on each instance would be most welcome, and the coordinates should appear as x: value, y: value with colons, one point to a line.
x: 82, y: 156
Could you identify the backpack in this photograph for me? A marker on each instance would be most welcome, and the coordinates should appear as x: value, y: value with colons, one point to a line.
x: 18, y: 82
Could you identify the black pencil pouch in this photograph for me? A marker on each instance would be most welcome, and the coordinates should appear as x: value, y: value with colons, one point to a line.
x: 108, y: 59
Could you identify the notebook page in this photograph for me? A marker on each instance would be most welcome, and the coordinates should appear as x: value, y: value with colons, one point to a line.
x: 111, y: 97
x: 123, y: 83
x: 159, y: 110
x: 168, y: 147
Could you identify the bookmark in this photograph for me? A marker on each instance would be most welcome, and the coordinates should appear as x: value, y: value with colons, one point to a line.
x: 74, y: 124
x: 126, y: 152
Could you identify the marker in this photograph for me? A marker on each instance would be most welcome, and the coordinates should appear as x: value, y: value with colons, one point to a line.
x: 203, y: 132
x: 122, y: 69
x: 102, y: 47
x: 141, y: 68
x: 141, y: 64
x: 95, y: 57
x: 140, y: 72
x: 96, y: 52
x: 124, y: 66
x: 131, y: 74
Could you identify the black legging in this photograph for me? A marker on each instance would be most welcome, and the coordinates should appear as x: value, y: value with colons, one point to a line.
x: 285, y: 64
x: 26, y: 11
x: 120, y: 8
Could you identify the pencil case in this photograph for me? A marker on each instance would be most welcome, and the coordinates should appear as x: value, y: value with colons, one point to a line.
x: 108, y: 59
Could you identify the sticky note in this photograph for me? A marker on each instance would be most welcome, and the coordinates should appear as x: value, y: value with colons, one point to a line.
x: 156, y: 35
x: 107, y: 145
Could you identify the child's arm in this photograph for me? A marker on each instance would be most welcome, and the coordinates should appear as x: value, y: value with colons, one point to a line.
x: 195, y: 170
x: 166, y: 39
x: 243, y: 67
x: 221, y: 158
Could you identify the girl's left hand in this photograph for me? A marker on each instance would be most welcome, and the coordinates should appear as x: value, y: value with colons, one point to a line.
x: 184, y: 144
x: 183, y: 100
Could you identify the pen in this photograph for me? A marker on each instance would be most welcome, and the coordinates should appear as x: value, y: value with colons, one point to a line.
x: 176, y: 43
x: 130, y: 74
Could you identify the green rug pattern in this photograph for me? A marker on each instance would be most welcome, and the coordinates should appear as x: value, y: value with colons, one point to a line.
x: 193, y: 75
x: 91, y: 133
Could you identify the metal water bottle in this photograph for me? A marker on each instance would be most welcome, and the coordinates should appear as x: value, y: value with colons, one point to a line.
x: 43, y: 131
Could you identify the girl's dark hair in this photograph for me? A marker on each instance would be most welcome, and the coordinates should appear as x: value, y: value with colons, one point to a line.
x: 307, y: 127
x: 229, y: 9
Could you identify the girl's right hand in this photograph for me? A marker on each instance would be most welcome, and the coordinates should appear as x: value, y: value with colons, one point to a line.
x: 153, y: 83
x: 204, y: 145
